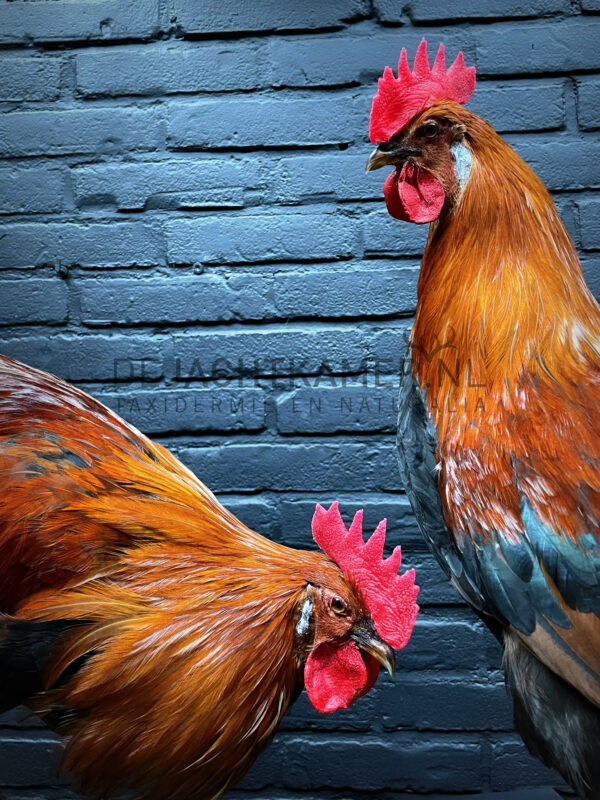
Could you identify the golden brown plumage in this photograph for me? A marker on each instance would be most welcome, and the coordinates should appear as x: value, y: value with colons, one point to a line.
x: 499, y: 434
x: 164, y: 635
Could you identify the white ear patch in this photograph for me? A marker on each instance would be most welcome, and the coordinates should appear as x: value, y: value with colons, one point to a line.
x: 463, y: 160
x: 304, y: 621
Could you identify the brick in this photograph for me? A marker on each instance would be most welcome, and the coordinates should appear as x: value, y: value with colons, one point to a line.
x: 388, y: 347
x: 315, y: 467
x: 29, y: 760
x: 368, y: 291
x: 446, y: 644
x: 423, y: 701
x: 202, y: 298
x: 92, y: 130
x: 90, y: 358
x: 358, y: 718
x: 568, y: 213
x: 30, y: 190
x: 334, y: 410
x: 296, y: 516
x: 203, y: 16
x: 438, y: 10
x: 165, y: 69
x: 589, y: 220
x: 252, y: 121
x: 240, y: 357
x: 197, y: 409
x: 318, y: 177
x: 384, y: 235
x: 513, y: 766
x: 34, y: 300
x: 520, y: 105
x: 591, y: 271
x: 531, y: 47
x: 351, y: 59
x: 259, y: 513
x: 29, y: 78
x: 266, y: 237
x: 80, y: 243
x: 237, y: 181
x: 201, y: 183
x: 321, y: 292
x: 22, y: 21
x: 419, y: 701
x: 588, y: 103
x: 395, y: 762
x: 228, y: 181
x: 562, y: 163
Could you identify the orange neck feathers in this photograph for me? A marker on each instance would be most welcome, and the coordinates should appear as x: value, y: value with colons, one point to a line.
x: 501, y: 288
x: 168, y: 662
x: 506, y: 347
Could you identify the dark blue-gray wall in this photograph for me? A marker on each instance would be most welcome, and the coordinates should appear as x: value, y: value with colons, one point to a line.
x: 187, y: 223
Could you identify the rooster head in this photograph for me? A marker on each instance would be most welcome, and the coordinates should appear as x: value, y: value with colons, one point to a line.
x: 352, y: 626
x: 417, y: 125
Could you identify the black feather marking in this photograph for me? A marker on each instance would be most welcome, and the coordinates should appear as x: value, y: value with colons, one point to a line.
x: 32, y: 469
x: 25, y: 648
x: 65, y: 454
x: 417, y: 445
x: 574, y: 566
x: 558, y: 724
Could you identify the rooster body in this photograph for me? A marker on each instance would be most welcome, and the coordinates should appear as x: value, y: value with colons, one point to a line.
x: 161, y: 636
x: 499, y: 434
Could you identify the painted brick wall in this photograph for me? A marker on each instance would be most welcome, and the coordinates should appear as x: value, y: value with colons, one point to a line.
x: 187, y: 226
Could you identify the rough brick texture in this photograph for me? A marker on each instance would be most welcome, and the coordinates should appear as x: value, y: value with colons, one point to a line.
x: 188, y: 233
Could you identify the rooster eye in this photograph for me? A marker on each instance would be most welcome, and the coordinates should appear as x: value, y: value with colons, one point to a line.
x: 430, y: 129
x: 338, y: 606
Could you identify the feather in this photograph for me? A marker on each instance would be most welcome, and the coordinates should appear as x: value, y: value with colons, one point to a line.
x: 499, y: 440
x: 162, y: 637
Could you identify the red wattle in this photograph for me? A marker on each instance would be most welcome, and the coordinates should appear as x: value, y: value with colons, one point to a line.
x: 413, y: 194
x: 392, y: 197
x: 335, y: 675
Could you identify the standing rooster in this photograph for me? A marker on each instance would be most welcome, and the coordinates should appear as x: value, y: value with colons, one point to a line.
x: 499, y: 426
x: 145, y: 622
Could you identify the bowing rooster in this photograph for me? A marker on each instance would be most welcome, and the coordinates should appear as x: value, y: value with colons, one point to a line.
x: 499, y: 424
x: 143, y: 620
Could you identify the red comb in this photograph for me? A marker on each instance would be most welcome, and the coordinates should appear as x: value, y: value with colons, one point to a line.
x: 399, y: 99
x: 389, y: 597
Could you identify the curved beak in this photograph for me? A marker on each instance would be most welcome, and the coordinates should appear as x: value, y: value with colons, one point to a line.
x: 367, y: 638
x: 394, y: 157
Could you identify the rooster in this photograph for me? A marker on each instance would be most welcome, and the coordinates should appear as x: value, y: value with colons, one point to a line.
x: 499, y: 423
x: 161, y: 636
